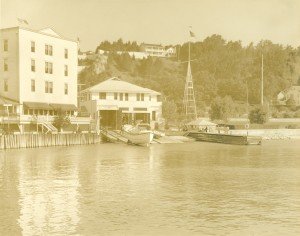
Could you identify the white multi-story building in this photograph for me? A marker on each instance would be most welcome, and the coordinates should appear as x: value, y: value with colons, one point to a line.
x: 116, y: 102
x: 153, y: 50
x: 38, y: 72
x: 157, y: 50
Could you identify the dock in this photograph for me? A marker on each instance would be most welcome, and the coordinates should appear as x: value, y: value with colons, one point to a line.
x: 173, y: 139
x: 113, y: 136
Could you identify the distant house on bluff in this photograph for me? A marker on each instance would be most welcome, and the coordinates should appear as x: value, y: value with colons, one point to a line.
x: 292, y: 92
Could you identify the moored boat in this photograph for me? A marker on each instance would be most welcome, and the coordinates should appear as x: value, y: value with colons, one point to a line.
x: 139, y: 134
x: 225, y: 138
x: 139, y: 138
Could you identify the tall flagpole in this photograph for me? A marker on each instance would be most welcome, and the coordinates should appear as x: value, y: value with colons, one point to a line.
x: 262, y: 79
x: 189, y: 96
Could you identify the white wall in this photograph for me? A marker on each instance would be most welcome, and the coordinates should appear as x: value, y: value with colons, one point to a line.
x: 111, y: 104
x: 58, y: 78
x: 12, y: 57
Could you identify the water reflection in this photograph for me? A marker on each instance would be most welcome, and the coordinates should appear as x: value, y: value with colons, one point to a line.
x: 194, y: 188
x: 48, y: 196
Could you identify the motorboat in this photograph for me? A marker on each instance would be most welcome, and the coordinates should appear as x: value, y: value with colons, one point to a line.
x: 137, y: 135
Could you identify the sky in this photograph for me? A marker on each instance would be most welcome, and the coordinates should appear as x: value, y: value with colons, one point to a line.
x: 159, y: 21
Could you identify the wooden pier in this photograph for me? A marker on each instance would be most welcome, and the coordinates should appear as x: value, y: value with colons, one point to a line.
x: 46, y: 140
x: 113, y: 136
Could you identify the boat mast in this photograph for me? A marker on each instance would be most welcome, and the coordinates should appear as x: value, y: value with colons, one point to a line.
x: 189, y: 96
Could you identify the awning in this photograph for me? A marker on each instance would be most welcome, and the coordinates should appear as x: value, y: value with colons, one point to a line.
x: 37, y: 105
x: 4, y: 101
x: 63, y: 107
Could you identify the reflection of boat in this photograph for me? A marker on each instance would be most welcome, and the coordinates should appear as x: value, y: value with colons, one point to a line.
x: 139, y: 138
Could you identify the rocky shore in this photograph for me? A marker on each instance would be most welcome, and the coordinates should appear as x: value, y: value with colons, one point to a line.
x: 270, y: 133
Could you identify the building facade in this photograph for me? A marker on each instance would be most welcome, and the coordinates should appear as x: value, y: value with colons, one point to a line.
x: 157, y: 50
x: 115, y: 102
x: 38, y: 72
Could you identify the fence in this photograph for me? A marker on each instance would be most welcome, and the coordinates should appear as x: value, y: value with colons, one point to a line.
x: 46, y: 140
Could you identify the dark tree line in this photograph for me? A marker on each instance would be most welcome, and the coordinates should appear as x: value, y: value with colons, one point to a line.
x: 119, y: 45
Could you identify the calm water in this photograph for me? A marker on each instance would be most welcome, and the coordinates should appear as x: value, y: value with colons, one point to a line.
x: 171, y: 189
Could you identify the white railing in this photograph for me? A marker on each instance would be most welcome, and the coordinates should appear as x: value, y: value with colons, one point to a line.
x: 41, y: 119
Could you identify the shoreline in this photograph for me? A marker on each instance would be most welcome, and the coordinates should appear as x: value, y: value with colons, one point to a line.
x: 269, y: 134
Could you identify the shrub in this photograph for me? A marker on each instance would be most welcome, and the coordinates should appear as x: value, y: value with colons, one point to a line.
x: 258, y: 115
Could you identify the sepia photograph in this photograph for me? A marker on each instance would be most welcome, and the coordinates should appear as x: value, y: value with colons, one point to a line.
x: 150, y: 117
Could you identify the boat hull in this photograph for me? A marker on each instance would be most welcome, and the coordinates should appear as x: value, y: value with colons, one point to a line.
x: 139, y: 138
x: 225, y: 138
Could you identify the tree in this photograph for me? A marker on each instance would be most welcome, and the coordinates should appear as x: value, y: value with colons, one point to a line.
x: 169, y: 110
x: 61, y: 120
x: 258, y: 115
x: 221, y: 108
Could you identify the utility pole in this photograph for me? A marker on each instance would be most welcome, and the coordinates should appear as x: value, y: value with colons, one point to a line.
x: 262, y: 79
x: 247, y: 97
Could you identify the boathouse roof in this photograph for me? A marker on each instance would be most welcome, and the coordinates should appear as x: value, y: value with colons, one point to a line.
x: 117, y: 85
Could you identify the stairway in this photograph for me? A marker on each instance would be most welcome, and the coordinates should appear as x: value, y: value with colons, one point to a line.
x: 49, y: 127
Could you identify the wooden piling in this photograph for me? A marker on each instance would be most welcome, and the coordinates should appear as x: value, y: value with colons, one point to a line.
x: 11, y: 141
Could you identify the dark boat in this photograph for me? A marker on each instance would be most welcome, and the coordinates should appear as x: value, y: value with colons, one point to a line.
x: 225, y: 138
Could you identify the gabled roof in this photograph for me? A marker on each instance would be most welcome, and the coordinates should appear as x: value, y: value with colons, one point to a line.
x: 49, y: 31
x: 294, y: 87
x: 45, y: 31
x: 116, y: 85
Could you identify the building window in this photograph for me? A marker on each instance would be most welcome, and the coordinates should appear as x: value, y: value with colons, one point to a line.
x: 5, y: 45
x: 48, y: 87
x: 66, y: 54
x: 139, y: 109
x: 32, y: 65
x: 116, y: 96
x: 66, y: 70
x: 5, y: 86
x: 126, y: 96
x: 48, y: 50
x: 102, y: 96
x: 140, y: 97
x: 5, y: 65
x: 32, y: 85
x: 32, y: 46
x: 158, y: 98
x: 121, y: 96
x: 48, y: 67
x: 66, y: 89
x: 153, y: 115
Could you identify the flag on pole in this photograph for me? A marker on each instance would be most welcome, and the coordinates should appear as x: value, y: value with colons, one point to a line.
x: 22, y: 21
x: 192, y: 33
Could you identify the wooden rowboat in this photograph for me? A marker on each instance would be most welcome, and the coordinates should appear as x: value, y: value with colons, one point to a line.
x: 140, y: 138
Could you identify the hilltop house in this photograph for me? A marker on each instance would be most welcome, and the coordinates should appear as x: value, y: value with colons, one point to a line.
x: 292, y: 92
x: 38, y: 71
x: 115, y: 102
x: 157, y: 50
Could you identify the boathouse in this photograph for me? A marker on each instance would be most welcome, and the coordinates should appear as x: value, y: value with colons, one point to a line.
x: 114, y: 102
